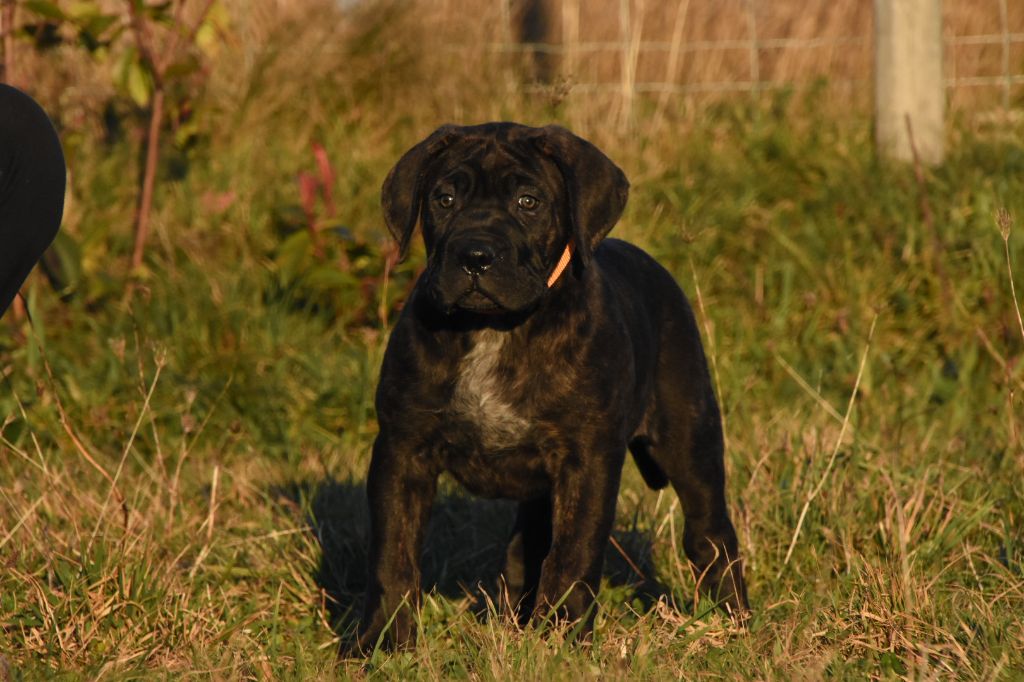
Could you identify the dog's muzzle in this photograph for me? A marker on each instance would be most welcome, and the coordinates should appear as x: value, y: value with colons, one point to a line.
x: 480, y: 272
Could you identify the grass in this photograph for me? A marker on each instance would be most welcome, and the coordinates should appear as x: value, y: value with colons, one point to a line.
x: 182, y: 448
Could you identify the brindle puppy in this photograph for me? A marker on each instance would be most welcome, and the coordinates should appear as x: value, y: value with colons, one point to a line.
x: 529, y: 382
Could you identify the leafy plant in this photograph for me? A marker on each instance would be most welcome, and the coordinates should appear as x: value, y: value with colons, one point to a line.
x: 321, y: 264
x: 157, y: 50
x: 165, y: 52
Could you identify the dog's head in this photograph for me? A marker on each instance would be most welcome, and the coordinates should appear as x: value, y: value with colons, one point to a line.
x: 498, y: 205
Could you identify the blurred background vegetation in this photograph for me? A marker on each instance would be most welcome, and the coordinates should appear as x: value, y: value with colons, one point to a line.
x: 185, y: 416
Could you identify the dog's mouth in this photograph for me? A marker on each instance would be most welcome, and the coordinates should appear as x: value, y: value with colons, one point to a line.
x: 497, y: 293
x: 477, y: 300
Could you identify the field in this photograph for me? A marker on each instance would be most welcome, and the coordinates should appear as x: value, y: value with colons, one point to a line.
x: 183, y: 444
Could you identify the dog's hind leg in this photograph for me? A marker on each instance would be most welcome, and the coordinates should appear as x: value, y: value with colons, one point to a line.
x: 652, y: 474
x: 686, y: 444
x: 530, y: 543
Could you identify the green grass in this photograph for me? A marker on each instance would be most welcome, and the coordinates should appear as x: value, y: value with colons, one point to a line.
x: 226, y: 394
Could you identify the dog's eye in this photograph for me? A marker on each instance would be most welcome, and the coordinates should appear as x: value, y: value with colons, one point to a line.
x: 446, y: 200
x: 528, y: 202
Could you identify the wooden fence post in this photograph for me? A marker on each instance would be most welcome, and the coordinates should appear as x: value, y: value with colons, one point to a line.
x: 909, y: 91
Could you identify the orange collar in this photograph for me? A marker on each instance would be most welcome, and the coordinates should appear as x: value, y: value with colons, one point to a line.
x: 562, y: 263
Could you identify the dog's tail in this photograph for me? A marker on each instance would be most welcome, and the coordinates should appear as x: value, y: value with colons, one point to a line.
x: 652, y: 473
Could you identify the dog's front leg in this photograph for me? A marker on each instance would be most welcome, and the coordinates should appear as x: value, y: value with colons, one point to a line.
x: 583, y: 511
x: 400, y: 488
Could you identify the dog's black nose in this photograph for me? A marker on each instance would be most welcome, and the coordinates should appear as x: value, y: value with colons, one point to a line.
x: 477, y: 258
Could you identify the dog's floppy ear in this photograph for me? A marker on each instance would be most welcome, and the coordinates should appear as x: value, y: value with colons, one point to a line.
x: 598, y: 189
x: 401, y: 196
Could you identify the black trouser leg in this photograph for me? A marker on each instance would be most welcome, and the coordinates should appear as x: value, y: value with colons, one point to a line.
x: 32, y: 178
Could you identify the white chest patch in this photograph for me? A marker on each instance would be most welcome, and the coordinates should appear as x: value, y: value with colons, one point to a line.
x: 480, y: 396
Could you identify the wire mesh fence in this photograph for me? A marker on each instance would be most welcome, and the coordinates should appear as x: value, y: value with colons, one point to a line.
x: 667, y: 47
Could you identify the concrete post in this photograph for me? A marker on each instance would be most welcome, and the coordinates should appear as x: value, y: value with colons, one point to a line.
x: 908, y: 79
